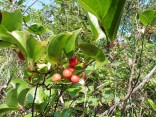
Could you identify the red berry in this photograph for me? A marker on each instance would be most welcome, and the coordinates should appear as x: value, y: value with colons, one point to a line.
x: 71, y: 68
x: 73, y: 61
x: 20, y: 57
x: 56, y: 77
x: 84, y: 74
x: 75, y: 78
x: 67, y: 73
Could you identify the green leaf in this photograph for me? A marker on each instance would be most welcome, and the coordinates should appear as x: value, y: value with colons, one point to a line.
x: 22, y: 83
x: 96, y: 30
x: 92, y: 51
x: 74, y: 89
x: 40, y: 95
x: 11, y: 98
x: 64, y: 41
x: 5, y: 36
x: 108, y: 12
x: 148, y: 17
x: 20, y: 2
x: 26, y: 18
x: 4, y: 44
x: 29, y: 46
x: 12, y: 20
x: 66, y: 113
x: 70, y: 43
x: 22, y: 96
x: 151, y: 103
x: 36, y: 28
x: 4, y: 108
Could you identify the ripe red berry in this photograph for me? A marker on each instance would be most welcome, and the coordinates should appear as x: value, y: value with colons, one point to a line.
x: 73, y: 61
x: 75, y: 78
x: 56, y: 77
x: 67, y: 73
x: 20, y: 57
x: 71, y: 68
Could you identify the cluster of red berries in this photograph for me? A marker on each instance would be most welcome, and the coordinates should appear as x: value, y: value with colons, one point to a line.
x: 68, y: 72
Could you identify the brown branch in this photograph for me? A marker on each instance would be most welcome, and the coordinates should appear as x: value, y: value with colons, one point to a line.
x: 29, y: 6
x: 146, y: 79
x: 33, y: 104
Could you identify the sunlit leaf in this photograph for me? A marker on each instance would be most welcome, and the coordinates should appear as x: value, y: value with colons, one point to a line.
x: 108, y: 12
x: 64, y: 41
x: 12, y: 20
x: 148, y: 17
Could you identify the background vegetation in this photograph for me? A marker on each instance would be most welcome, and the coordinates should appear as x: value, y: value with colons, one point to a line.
x: 120, y: 80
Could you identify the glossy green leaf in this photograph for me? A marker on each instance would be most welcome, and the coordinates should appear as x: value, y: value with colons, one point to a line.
x: 5, y: 108
x: 12, y: 20
x: 11, y: 98
x: 69, y: 47
x: 148, y: 17
x: 36, y: 29
x: 22, y: 96
x: 108, y: 12
x: 92, y: 51
x: 96, y: 30
x: 64, y: 41
x: 28, y: 45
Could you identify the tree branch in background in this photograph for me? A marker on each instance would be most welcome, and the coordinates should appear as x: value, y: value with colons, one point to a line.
x: 29, y: 6
x: 146, y: 79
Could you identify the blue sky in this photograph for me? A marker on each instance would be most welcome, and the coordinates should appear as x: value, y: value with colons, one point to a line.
x: 38, y: 4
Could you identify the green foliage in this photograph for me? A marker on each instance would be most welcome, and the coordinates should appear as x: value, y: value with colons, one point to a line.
x: 92, y: 51
x: 109, y: 15
x: 11, y: 98
x: 16, y: 20
x: 5, y: 108
x: 36, y: 28
x: 108, y: 68
x: 148, y: 17
x: 64, y: 41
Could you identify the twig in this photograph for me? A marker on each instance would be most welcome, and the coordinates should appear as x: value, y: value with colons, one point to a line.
x: 146, y: 79
x: 61, y: 92
x: 34, y: 100
x: 29, y: 6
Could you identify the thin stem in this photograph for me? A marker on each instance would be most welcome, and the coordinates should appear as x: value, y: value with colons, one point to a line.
x: 34, y: 100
